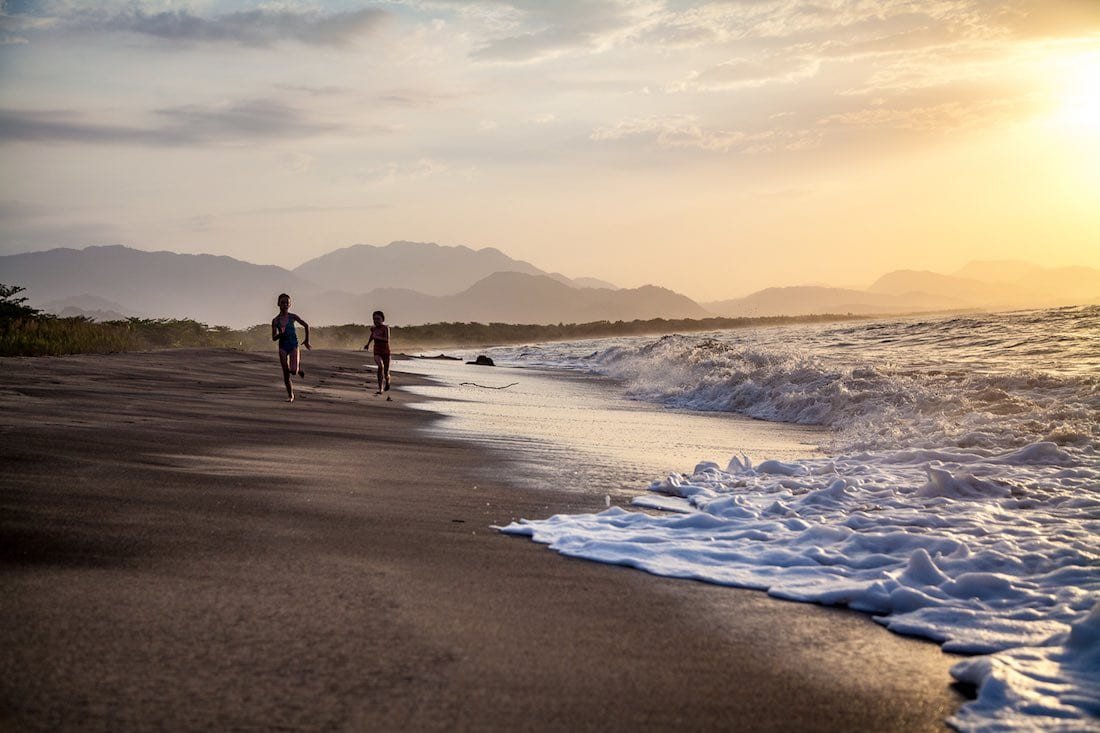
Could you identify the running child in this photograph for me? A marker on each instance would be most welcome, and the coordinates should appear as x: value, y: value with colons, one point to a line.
x: 283, y: 331
x: 380, y: 335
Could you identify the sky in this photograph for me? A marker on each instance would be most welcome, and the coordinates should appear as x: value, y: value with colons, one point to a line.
x: 715, y: 148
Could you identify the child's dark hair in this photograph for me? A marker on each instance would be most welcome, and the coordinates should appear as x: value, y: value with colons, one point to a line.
x: 380, y: 314
x: 281, y: 296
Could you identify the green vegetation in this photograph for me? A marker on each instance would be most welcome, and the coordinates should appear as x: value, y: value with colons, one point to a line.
x: 12, y: 306
x: 25, y: 331
x: 44, y: 335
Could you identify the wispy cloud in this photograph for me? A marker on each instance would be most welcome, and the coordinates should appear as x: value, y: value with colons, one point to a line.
x: 686, y: 131
x: 189, y: 125
x: 260, y: 118
x: 207, y: 222
x: 942, y: 110
x: 754, y: 72
x: 546, y: 29
x: 392, y: 172
x: 261, y: 27
x: 13, y: 27
x: 1047, y: 18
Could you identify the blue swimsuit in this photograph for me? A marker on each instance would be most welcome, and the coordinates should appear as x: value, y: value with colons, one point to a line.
x: 288, y: 341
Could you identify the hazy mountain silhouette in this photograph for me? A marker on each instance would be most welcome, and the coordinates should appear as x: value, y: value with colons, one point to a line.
x: 814, y: 299
x: 116, y: 281
x: 509, y: 297
x: 428, y: 268
x: 1002, y: 284
x: 208, y: 288
x: 1066, y: 284
x: 979, y: 285
x: 1004, y: 272
x: 541, y: 299
x: 948, y: 287
x: 584, y: 282
x: 90, y: 306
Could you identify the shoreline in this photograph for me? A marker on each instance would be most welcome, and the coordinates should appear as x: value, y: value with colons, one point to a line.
x: 184, y: 549
x: 588, y: 436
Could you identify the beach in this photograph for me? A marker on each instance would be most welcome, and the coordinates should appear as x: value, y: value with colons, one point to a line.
x: 183, y: 549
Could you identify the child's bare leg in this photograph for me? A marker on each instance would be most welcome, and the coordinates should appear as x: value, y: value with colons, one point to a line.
x: 386, y: 362
x: 381, y: 368
x: 284, y: 362
x: 294, y: 362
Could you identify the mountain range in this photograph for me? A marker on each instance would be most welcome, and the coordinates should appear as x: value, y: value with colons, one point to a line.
x: 426, y: 268
x: 980, y: 285
x: 416, y: 282
x: 422, y: 283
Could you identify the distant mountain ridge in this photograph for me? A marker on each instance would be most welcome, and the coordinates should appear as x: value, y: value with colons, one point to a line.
x: 513, y: 297
x: 90, y: 306
x: 815, y: 299
x: 456, y: 284
x: 209, y: 288
x: 425, y: 267
x: 116, y: 281
x: 988, y: 285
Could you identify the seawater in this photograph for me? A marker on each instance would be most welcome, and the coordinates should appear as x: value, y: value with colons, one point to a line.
x: 956, y: 497
x: 576, y: 431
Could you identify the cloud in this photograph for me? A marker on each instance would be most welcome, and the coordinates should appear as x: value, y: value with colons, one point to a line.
x: 61, y: 126
x: 547, y: 29
x: 399, y: 172
x: 838, y: 66
x: 209, y: 222
x: 261, y: 118
x: 316, y: 90
x: 745, y: 72
x: 685, y: 131
x: 943, y: 109
x: 832, y: 28
x: 179, y: 126
x: 412, y: 98
x: 14, y: 26
x: 246, y: 28
x: 1057, y: 18
x: 941, y: 117
x: 303, y: 209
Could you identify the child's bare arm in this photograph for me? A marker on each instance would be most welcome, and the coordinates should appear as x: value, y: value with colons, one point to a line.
x: 305, y: 325
x: 275, y: 329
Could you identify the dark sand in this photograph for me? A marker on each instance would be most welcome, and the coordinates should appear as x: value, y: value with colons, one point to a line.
x: 184, y: 550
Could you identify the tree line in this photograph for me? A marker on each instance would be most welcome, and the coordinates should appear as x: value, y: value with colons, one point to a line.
x: 26, y: 331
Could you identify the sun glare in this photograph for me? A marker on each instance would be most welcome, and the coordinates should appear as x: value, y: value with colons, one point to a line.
x: 1078, y: 107
x: 1070, y: 129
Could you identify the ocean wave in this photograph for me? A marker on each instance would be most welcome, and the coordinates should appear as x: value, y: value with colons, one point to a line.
x: 870, y: 405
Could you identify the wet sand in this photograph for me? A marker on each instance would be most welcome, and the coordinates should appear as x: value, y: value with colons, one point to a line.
x: 184, y: 550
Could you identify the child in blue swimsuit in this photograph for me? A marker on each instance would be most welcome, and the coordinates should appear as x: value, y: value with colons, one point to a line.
x: 283, y: 331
